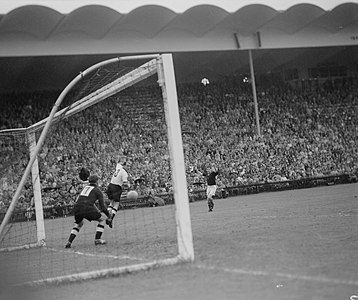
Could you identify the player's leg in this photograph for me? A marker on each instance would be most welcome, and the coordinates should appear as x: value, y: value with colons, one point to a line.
x: 211, y: 189
x: 77, y: 225
x: 211, y: 204
x: 97, y: 216
x: 115, y: 192
x: 208, y: 196
x: 109, y: 193
x: 99, y: 232
x: 214, y: 193
x: 115, y: 208
x: 116, y: 199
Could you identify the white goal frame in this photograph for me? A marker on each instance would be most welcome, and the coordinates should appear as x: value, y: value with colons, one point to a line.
x: 162, y: 65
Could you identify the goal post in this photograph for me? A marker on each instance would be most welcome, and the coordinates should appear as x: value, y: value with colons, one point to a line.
x: 109, y: 88
x: 167, y: 83
x: 35, y: 178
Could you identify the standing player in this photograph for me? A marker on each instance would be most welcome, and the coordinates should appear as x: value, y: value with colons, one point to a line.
x: 211, y: 186
x: 118, y: 184
x: 85, y: 208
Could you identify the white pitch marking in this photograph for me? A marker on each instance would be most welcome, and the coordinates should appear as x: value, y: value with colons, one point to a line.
x: 284, y: 275
x: 98, y: 255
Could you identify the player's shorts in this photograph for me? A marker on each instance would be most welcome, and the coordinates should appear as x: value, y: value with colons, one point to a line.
x: 211, y: 191
x: 90, y: 213
x: 114, y: 192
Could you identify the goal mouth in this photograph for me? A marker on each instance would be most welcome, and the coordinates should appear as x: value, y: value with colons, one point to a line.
x: 122, y: 106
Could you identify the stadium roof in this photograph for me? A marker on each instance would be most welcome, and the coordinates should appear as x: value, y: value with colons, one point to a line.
x: 179, y: 6
x: 33, y: 34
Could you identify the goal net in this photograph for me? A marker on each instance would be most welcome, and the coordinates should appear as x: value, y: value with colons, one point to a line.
x: 124, y: 106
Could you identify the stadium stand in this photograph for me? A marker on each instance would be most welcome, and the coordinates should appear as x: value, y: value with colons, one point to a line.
x: 306, y: 134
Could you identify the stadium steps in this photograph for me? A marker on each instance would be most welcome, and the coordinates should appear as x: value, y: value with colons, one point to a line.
x: 144, y: 110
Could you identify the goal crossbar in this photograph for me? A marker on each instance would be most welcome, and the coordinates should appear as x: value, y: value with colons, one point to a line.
x: 126, y: 80
x: 144, y: 71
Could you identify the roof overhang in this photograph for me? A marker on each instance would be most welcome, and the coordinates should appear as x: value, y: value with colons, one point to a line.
x: 45, y: 43
x: 81, y: 27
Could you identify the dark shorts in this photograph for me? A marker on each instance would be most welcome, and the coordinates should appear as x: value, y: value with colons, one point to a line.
x: 89, y: 213
x: 114, y: 192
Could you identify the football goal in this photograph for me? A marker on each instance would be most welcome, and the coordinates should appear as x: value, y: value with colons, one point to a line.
x: 122, y: 106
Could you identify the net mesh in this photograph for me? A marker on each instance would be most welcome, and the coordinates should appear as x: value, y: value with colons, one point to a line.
x: 92, y: 133
x: 14, y: 157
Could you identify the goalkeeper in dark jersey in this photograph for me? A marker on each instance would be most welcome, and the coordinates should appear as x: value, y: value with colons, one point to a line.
x: 85, y: 208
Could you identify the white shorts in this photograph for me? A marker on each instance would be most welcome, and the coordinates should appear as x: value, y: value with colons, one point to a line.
x: 210, y: 191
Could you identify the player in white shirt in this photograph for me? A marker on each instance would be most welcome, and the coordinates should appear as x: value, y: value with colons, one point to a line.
x: 118, y: 184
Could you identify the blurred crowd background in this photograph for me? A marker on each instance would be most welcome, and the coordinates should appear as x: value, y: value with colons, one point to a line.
x: 304, y: 133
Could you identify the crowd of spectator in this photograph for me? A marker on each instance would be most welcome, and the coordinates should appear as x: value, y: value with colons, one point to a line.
x: 304, y: 133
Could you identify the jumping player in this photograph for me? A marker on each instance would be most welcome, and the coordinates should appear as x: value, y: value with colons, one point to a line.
x: 118, y: 184
x: 85, y: 208
x: 211, y: 186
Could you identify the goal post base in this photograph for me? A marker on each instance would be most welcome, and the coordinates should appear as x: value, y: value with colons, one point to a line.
x: 22, y: 247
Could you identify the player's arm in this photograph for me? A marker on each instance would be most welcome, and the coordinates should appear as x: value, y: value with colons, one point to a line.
x: 125, y: 186
x: 102, y: 205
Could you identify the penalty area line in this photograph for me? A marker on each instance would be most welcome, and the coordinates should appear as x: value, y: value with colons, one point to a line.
x: 282, y: 275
